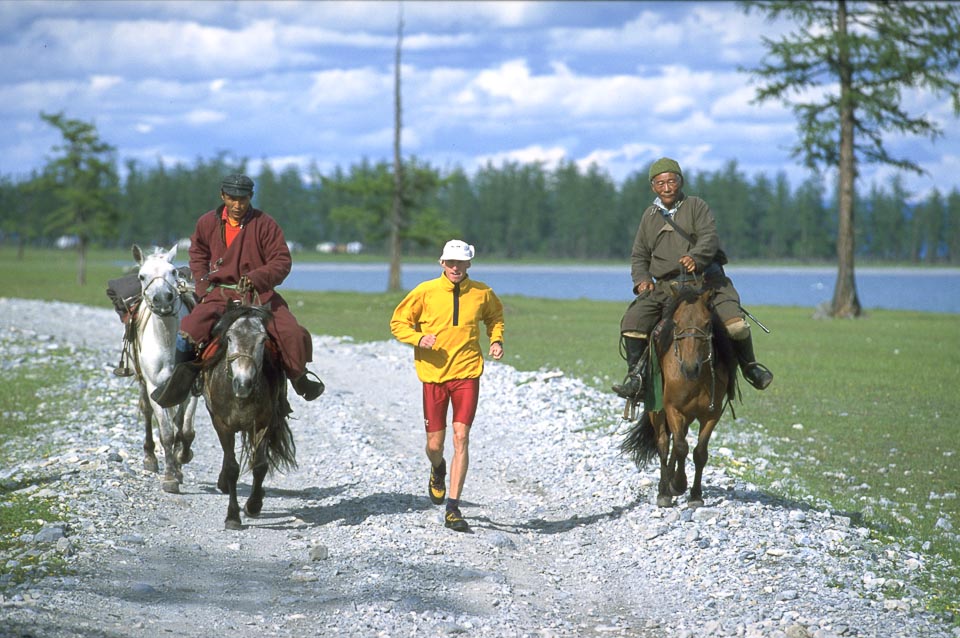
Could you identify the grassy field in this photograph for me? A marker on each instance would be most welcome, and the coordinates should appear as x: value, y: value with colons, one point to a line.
x: 862, y: 416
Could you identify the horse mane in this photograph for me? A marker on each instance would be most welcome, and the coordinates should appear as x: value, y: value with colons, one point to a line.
x: 664, y: 334
x: 723, y: 345
x: 236, y: 312
x: 226, y: 320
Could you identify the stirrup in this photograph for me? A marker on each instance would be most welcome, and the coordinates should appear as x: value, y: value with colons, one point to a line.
x: 757, y: 375
x: 122, y: 371
x: 624, y: 391
x: 308, y: 388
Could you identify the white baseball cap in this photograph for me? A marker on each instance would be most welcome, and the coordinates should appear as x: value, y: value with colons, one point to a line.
x: 457, y: 250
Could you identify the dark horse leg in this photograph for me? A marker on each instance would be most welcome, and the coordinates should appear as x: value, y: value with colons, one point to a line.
x: 678, y: 486
x: 673, y: 475
x: 183, y: 423
x: 700, y: 456
x: 260, y: 465
x: 150, y: 462
x: 229, y: 474
x: 664, y: 497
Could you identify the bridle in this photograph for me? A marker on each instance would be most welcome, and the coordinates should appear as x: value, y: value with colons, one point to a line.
x: 236, y: 356
x: 167, y: 312
x: 694, y: 332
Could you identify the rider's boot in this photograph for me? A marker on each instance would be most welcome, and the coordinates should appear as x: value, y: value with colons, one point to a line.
x: 306, y: 387
x: 632, y: 384
x: 757, y: 374
x: 176, y: 389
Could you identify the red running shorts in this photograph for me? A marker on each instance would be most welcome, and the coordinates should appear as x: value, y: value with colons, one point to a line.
x: 462, y: 393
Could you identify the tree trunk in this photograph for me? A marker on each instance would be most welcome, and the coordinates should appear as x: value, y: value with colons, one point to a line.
x: 845, y: 302
x: 396, y: 218
x: 82, y: 262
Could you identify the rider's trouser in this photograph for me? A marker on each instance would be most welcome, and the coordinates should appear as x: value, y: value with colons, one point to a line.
x: 646, y: 309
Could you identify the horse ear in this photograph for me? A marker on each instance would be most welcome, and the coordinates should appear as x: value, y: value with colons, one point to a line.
x: 172, y: 254
x: 137, y: 254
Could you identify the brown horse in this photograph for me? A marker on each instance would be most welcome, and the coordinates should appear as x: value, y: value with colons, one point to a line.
x: 697, y: 376
x: 245, y: 391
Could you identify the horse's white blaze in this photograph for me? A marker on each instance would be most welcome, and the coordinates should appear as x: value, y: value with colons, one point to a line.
x: 243, y: 357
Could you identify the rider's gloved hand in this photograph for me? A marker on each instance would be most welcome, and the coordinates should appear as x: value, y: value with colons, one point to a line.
x: 245, y: 285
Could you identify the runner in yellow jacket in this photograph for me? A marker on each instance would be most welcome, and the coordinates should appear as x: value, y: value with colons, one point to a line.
x: 441, y: 319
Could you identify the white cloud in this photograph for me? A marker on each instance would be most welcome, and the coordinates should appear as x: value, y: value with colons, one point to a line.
x: 549, y: 157
x: 481, y: 81
x: 201, y: 117
x: 347, y: 87
x: 100, y: 83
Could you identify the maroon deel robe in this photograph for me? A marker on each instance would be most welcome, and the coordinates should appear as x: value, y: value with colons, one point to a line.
x: 260, y: 252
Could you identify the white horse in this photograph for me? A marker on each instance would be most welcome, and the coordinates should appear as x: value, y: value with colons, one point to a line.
x: 157, y: 320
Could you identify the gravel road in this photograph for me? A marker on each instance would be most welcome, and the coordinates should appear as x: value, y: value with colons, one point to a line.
x: 566, y: 538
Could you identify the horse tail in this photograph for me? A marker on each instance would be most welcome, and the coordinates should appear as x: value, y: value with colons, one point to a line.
x: 281, y: 450
x: 640, y: 444
x: 276, y: 443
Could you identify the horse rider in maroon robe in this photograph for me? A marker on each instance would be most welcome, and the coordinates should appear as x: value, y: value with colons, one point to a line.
x: 238, y: 251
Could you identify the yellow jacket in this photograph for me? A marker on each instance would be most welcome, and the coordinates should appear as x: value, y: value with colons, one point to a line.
x: 430, y: 309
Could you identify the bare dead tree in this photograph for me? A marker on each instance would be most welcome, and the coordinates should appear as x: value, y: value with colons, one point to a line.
x: 396, y: 218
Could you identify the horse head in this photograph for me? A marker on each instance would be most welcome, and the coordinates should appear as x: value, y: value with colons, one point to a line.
x: 244, y: 341
x: 693, y: 330
x: 158, y: 280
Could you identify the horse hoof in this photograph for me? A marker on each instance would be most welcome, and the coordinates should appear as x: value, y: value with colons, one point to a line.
x: 695, y: 503
x: 232, y: 525
x: 150, y: 464
x: 251, y: 512
x: 170, y: 486
x: 676, y: 491
x: 664, y: 501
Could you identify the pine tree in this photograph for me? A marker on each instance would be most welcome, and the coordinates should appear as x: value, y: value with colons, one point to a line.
x: 843, y: 71
x: 85, y: 181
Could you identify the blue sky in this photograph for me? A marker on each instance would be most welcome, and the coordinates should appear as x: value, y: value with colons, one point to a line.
x: 614, y: 83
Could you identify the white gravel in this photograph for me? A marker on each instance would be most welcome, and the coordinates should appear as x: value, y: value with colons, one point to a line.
x: 566, y: 542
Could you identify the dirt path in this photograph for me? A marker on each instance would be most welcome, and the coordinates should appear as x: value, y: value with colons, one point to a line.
x: 565, y: 542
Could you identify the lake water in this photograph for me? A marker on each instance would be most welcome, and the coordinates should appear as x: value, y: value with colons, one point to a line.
x: 929, y: 290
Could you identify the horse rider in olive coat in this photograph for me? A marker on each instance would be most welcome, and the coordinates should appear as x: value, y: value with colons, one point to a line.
x: 665, y: 252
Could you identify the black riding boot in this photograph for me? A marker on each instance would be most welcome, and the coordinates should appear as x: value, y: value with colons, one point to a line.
x: 632, y: 384
x: 307, y: 387
x: 757, y: 374
x: 176, y: 389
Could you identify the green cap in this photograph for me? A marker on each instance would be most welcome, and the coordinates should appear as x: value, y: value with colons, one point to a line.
x: 665, y: 165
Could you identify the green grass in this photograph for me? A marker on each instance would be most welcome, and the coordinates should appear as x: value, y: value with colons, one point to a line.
x: 27, y: 402
x: 862, y: 415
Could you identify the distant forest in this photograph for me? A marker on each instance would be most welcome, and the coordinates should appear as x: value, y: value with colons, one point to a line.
x: 510, y: 211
